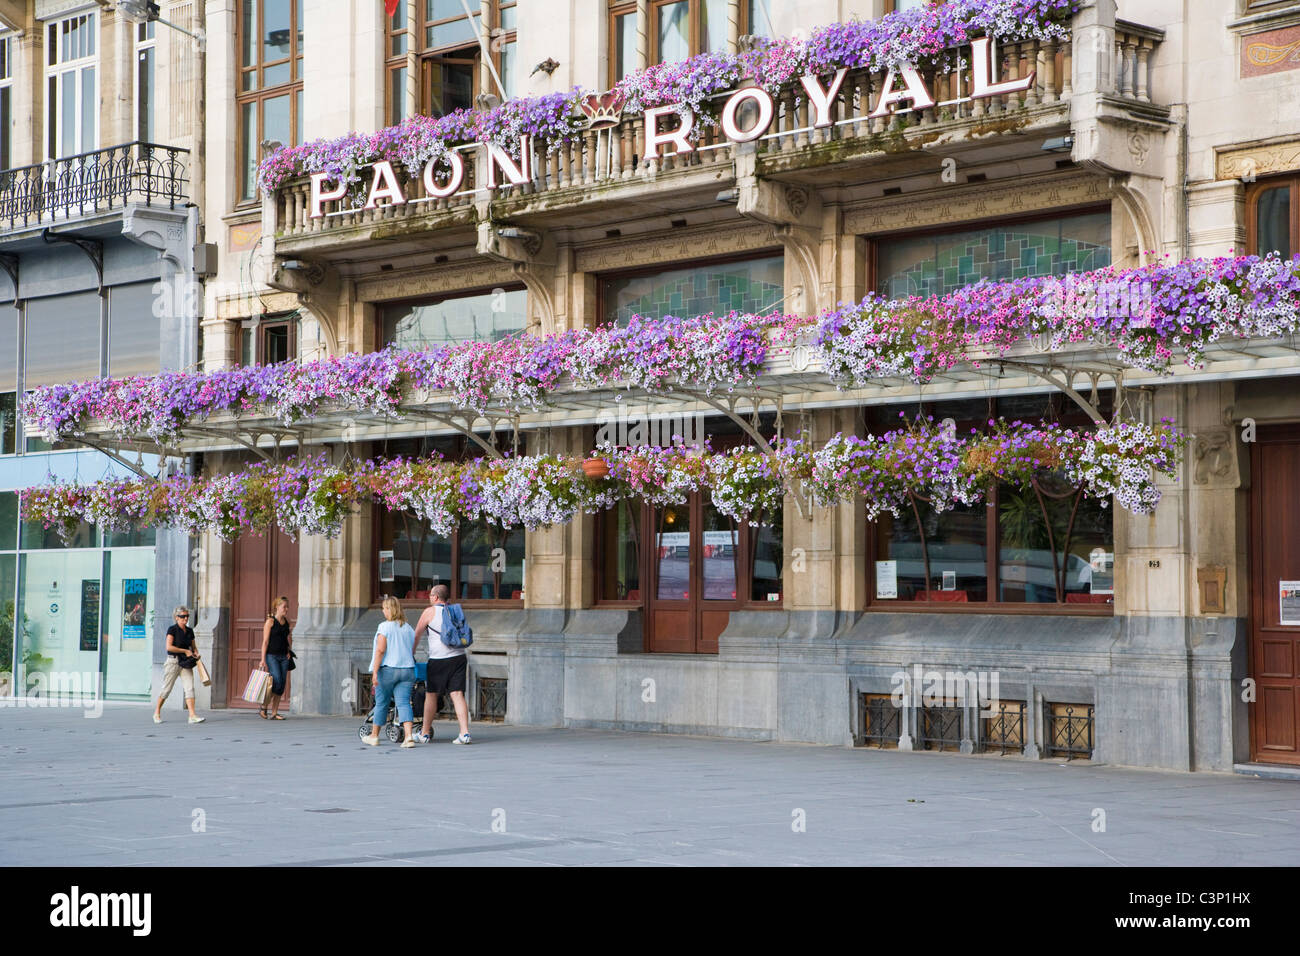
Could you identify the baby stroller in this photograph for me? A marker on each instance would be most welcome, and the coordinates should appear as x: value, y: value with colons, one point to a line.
x: 392, y: 729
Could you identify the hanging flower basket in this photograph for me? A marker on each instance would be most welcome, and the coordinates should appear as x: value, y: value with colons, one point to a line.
x: 595, y: 468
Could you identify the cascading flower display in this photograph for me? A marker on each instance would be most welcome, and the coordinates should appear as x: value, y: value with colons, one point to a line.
x: 312, y: 496
x: 925, y: 37
x: 1147, y: 315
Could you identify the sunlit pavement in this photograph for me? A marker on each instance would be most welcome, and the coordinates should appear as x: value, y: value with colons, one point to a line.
x: 120, y: 790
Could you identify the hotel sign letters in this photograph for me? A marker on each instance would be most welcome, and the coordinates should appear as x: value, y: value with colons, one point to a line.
x: 903, y: 90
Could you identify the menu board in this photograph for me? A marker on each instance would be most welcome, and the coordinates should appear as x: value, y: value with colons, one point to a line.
x: 90, y: 614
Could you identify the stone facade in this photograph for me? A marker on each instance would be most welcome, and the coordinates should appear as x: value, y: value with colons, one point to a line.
x: 1162, y: 673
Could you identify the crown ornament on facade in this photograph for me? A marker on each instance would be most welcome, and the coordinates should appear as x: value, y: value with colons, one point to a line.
x: 603, y: 109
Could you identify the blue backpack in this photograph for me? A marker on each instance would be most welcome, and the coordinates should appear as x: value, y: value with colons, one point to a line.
x: 455, y: 632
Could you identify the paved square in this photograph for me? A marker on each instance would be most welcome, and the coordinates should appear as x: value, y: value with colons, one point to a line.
x: 120, y: 790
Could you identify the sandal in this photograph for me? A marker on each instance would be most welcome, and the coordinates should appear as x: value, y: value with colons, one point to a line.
x: 277, y: 716
x: 261, y: 712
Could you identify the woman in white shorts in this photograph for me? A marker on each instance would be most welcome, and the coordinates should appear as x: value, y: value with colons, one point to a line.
x: 180, y: 647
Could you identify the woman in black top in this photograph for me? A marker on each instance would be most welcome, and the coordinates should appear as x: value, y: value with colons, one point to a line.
x: 180, y: 646
x: 277, y: 641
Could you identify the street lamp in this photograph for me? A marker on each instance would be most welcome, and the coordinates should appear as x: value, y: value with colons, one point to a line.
x: 143, y: 11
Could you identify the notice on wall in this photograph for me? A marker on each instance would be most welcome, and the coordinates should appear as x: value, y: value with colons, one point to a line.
x: 1288, y: 597
x: 135, y: 608
x: 386, y: 565
x: 886, y: 579
x: 90, y: 614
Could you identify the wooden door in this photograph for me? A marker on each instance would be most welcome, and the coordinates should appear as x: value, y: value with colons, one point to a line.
x: 693, y: 577
x: 671, y: 598
x: 266, y: 567
x: 1275, y: 558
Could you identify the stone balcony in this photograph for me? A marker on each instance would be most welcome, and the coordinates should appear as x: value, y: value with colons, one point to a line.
x: 600, y: 177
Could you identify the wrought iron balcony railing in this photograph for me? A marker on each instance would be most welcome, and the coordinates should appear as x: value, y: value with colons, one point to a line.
x: 79, y: 186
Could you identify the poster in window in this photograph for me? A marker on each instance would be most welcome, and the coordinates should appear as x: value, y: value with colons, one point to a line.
x: 90, y: 614
x: 886, y: 579
x: 950, y: 580
x: 1100, y: 571
x: 135, y: 607
x: 1288, y: 597
x: 386, y: 565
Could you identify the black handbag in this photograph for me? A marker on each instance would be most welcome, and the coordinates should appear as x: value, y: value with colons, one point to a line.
x: 187, y: 662
x: 291, y: 655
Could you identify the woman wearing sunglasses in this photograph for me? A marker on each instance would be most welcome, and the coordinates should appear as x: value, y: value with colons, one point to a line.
x: 180, y: 647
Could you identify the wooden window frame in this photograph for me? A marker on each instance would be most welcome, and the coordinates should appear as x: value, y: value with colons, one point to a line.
x: 260, y: 93
x: 146, y: 40
x: 289, y: 320
x: 1258, y: 188
x: 466, y: 451
x: 1065, y: 412
x: 6, y: 87
x: 423, y: 54
x: 645, y: 513
x: 55, y: 66
x: 616, y: 10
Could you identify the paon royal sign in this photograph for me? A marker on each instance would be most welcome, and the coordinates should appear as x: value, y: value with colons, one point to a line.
x: 903, y: 91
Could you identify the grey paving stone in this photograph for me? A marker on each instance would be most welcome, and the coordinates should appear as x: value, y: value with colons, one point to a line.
x: 123, y: 791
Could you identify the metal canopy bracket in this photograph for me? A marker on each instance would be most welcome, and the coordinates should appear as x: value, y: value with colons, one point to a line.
x: 93, y: 248
x: 9, y: 263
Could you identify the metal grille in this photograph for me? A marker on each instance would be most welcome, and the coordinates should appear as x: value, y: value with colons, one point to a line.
x: 491, y: 699
x: 1071, y: 730
x: 941, y: 727
x: 446, y: 709
x: 1005, y: 731
x: 881, y: 721
x: 95, y: 182
x: 365, y: 695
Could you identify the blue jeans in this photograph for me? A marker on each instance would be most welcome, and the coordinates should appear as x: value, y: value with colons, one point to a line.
x: 394, y: 682
x: 277, y: 665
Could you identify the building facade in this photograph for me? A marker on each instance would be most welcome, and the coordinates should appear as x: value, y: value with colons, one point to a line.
x: 97, y: 234
x: 1148, y: 641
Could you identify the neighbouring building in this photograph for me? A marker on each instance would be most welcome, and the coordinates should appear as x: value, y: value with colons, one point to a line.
x: 98, y: 226
x: 1141, y: 135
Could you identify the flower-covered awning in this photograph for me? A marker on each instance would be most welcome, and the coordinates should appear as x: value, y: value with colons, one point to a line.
x: 887, y: 472
x: 1144, y: 318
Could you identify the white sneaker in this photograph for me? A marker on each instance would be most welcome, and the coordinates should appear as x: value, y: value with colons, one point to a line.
x: 463, y: 739
x: 372, y: 741
x: 157, y: 719
x: 421, y: 738
x: 194, y: 720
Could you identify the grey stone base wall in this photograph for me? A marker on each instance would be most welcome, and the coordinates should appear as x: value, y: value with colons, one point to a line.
x: 1166, y: 691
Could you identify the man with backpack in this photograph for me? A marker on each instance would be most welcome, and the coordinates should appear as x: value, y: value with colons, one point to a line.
x: 448, y: 635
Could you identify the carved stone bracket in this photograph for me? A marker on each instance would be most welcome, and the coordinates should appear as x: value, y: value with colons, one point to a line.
x: 1215, y: 457
x: 532, y: 258
x: 794, y: 212
x: 318, y: 287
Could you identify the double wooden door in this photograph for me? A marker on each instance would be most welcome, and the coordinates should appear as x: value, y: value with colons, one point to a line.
x: 266, y: 567
x: 694, y: 559
x: 1275, y: 562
